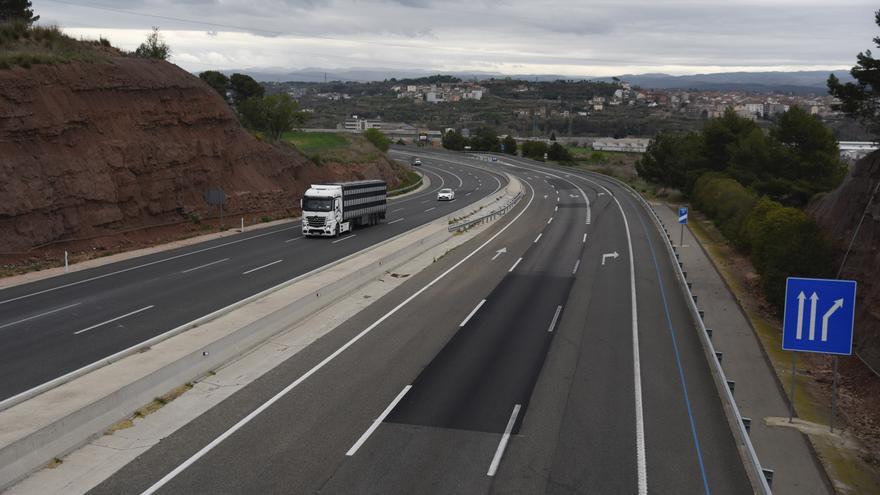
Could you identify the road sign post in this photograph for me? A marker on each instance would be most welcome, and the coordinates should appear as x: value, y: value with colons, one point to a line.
x: 682, y: 221
x: 822, y: 325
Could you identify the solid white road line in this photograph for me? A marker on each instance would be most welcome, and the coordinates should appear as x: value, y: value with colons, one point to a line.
x: 354, y: 448
x: 472, y: 313
x: 392, y: 211
x: 286, y: 390
x: 514, y: 265
x: 344, y: 238
x: 538, y: 238
x: 503, y: 444
x: 395, y: 221
x: 39, y: 315
x: 585, y: 239
x: 550, y: 221
x: 555, y: 318
x: 641, y: 463
x: 252, y: 270
x: 143, y: 265
x: 111, y: 321
x: 295, y: 238
x: 576, y: 265
x: 206, y: 264
x: 431, y: 208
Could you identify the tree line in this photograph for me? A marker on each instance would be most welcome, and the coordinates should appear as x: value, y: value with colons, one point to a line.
x: 753, y: 185
x: 273, y: 115
x: 486, y: 139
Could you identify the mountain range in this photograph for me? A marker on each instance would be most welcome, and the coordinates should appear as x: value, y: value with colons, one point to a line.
x: 801, y: 82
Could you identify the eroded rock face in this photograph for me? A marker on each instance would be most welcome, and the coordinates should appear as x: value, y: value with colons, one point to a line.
x: 839, y: 213
x: 89, y: 149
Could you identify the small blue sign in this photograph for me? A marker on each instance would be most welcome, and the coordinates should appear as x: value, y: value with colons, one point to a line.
x: 819, y: 315
x: 683, y: 215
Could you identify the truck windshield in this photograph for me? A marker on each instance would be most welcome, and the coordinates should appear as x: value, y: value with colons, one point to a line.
x: 317, y: 204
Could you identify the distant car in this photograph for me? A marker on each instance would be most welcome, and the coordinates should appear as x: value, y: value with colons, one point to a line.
x: 445, y: 195
x: 494, y: 158
x: 416, y: 162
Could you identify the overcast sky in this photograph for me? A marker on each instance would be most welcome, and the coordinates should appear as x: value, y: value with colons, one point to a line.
x: 586, y: 38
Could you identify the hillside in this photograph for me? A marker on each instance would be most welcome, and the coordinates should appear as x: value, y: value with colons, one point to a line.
x: 839, y: 213
x: 94, y: 146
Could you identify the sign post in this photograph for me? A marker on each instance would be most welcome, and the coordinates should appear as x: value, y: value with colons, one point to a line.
x: 682, y: 221
x: 818, y: 317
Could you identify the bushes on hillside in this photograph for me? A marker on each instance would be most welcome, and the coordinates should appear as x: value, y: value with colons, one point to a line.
x: 795, y: 160
x: 378, y: 139
x: 726, y: 201
x: 782, y: 241
x: 535, y: 150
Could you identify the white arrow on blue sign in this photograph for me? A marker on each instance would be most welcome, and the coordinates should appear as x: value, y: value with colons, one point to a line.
x: 683, y: 215
x: 819, y: 315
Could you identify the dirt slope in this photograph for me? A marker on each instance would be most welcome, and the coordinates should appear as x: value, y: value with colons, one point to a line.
x: 839, y: 213
x: 95, y: 148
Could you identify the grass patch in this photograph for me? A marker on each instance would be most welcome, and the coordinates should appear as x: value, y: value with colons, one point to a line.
x: 23, y: 46
x: 410, y: 178
x: 329, y: 147
x: 310, y: 143
x: 161, y: 401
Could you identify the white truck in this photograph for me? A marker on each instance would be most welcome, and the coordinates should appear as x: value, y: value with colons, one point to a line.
x: 331, y: 209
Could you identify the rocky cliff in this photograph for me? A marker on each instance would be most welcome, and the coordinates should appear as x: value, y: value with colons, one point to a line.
x: 839, y: 213
x: 93, y: 148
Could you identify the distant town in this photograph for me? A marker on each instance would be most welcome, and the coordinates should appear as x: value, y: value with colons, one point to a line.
x: 572, y: 111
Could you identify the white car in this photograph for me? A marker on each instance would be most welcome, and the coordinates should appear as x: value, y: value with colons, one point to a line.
x: 445, y: 195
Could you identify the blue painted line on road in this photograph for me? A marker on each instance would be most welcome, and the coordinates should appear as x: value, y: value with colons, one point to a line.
x: 687, y: 401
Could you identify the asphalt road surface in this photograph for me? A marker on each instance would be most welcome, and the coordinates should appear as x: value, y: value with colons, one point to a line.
x: 54, y: 326
x: 554, y: 353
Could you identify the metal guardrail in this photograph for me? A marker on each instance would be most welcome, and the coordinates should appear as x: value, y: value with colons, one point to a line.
x: 492, y: 215
x: 411, y: 187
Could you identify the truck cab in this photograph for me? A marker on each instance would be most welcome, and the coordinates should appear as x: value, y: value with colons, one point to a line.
x: 332, y: 209
x: 322, y: 211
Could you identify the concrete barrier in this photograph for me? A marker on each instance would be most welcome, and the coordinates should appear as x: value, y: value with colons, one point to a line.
x: 62, y: 419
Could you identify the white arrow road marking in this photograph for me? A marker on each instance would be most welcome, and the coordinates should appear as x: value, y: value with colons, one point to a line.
x: 499, y: 253
x: 609, y: 255
x: 800, y: 321
x: 814, y: 299
x: 601, y: 194
x: 837, y: 305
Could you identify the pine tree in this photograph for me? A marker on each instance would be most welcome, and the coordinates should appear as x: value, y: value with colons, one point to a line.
x: 17, y: 10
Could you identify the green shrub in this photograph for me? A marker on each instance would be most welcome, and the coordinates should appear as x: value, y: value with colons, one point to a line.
x: 785, y: 242
x: 727, y: 202
x: 378, y: 139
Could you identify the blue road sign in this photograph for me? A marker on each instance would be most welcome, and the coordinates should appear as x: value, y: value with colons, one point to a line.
x: 683, y: 215
x: 819, y: 315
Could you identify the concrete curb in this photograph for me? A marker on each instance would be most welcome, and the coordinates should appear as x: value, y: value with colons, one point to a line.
x: 60, y: 420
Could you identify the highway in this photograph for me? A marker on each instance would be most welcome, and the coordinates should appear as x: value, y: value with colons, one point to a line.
x: 553, y: 353
x: 54, y: 326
